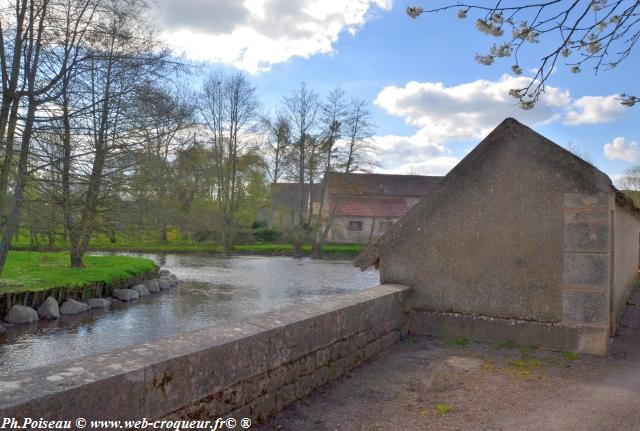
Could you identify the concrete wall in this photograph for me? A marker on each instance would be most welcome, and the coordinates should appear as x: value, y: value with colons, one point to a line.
x: 246, y: 369
x: 626, y: 250
x: 340, y: 232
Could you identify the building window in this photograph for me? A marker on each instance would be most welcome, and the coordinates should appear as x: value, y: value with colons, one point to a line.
x: 385, y: 225
x: 355, y: 226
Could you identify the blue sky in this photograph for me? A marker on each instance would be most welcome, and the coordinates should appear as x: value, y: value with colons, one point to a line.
x: 431, y: 102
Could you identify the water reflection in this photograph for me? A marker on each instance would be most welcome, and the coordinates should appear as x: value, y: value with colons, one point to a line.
x: 213, y: 290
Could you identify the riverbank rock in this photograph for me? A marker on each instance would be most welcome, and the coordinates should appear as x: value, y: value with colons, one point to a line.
x: 71, y: 306
x: 165, y: 283
x: 49, y: 309
x: 152, y: 286
x: 125, y: 294
x: 99, y: 303
x: 21, y: 314
x: 164, y: 273
x: 142, y: 291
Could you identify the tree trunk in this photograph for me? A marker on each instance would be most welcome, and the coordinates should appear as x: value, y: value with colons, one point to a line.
x: 76, y: 257
x: 13, y: 219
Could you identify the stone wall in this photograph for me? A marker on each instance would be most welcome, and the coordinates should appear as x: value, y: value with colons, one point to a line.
x: 245, y: 369
x: 626, y: 250
x: 586, y: 265
x: 340, y: 233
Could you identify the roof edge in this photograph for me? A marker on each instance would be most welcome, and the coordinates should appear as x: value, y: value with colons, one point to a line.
x: 625, y: 202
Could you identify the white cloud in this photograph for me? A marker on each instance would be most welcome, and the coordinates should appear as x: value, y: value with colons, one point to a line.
x: 620, y: 149
x: 255, y: 34
x: 469, y: 111
x: 594, y: 110
x: 417, y: 154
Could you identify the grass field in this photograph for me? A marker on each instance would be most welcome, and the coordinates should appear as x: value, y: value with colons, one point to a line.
x: 28, y: 271
x: 184, y: 246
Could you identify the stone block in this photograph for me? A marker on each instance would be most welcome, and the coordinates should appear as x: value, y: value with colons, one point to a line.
x: 578, y: 215
x: 307, y: 364
x: 351, y: 361
x: 285, y: 396
x: 321, y: 376
x: 582, y: 200
x: 233, y: 396
x: 585, y: 307
x: 372, y: 349
x: 339, y: 349
x: 277, y: 377
x: 262, y: 407
x: 304, y: 385
x: 593, y: 341
x: 586, y: 269
x: 256, y: 386
x: 360, y: 340
x: 586, y: 237
x: 390, y: 339
x: 337, y: 368
x: 323, y: 355
x: 554, y: 336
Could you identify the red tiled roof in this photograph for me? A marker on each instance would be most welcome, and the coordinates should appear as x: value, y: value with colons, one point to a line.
x: 381, y: 184
x: 372, y: 207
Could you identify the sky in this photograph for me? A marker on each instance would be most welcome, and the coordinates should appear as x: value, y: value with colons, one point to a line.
x: 430, y: 101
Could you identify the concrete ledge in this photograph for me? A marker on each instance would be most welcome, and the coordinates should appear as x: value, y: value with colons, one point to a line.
x: 245, y: 369
x: 554, y: 336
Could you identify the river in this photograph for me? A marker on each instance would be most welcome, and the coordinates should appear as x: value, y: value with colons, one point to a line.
x: 213, y: 289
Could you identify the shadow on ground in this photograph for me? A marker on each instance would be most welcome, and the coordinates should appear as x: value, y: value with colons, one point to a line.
x: 434, y: 384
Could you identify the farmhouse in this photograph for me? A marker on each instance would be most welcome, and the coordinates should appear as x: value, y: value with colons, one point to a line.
x: 361, y: 207
x: 521, y: 241
x: 357, y: 207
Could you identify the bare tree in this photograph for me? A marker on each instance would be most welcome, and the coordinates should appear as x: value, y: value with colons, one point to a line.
x: 39, y: 60
x: 631, y: 179
x: 600, y: 33
x: 334, y: 114
x: 100, y: 115
x: 277, y: 143
x: 301, y: 106
x: 352, y: 156
x: 229, y: 110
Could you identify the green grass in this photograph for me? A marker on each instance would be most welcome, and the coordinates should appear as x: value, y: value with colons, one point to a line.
x: 443, y: 408
x: 460, y: 341
x: 27, y: 271
x: 509, y: 344
x: 525, y: 366
x: 100, y: 242
x: 570, y: 356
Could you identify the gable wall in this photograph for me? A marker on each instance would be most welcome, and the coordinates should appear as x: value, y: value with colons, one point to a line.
x: 489, y: 239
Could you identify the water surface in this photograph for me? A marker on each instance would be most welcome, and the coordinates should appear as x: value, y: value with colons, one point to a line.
x: 213, y: 290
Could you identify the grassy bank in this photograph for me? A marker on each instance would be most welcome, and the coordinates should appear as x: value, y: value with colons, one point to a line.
x: 28, y: 271
x: 271, y: 249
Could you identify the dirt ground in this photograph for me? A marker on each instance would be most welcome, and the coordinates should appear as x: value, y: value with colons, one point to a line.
x: 434, y: 384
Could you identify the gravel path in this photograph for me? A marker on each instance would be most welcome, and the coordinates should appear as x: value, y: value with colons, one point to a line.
x: 430, y: 384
